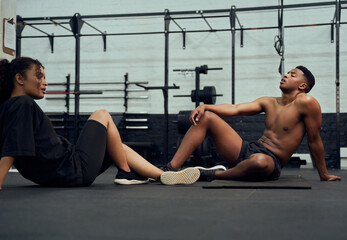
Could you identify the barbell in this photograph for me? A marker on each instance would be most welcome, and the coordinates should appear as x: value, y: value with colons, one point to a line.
x: 207, y: 95
x: 99, y: 92
x: 74, y: 92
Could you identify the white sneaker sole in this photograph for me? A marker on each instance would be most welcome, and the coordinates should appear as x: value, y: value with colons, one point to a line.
x: 218, y: 167
x: 186, y: 176
x: 129, y: 182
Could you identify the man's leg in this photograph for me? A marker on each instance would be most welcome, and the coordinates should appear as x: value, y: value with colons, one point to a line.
x: 228, y: 144
x: 226, y: 140
x: 258, y: 166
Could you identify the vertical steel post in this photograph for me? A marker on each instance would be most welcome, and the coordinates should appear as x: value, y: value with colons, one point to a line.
x: 19, y: 29
x: 232, y: 25
x: 126, y: 92
x: 76, y: 23
x: 67, y: 98
x: 166, y: 84
x: 281, y: 37
x: 337, y: 82
x: 197, y: 86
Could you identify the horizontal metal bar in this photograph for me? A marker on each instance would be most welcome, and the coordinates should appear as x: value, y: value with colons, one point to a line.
x: 122, y: 90
x: 182, y: 95
x: 136, y: 127
x: 199, y: 17
x: 136, y: 120
x: 100, y: 97
x: 214, y: 95
x: 139, y: 97
x: 52, y: 22
x: 97, y: 91
x: 153, y: 14
x: 59, y: 127
x: 211, y: 69
x: 136, y: 113
x: 159, y: 87
x: 57, y: 119
x: 136, y: 82
x: 57, y: 84
x: 98, y: 35
x: 93, y: 83
x: 80, y: 92
x: 193, y: 70
x: 188, y: 31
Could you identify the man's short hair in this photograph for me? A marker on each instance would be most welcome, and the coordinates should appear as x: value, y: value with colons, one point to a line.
x: 309, y: 76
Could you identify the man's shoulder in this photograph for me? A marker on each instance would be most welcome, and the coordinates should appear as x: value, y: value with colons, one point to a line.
x: 307, y: 104
x: 304, y: 99
x: 267, y: 99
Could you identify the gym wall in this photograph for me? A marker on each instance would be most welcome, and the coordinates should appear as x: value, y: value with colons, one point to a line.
x: 142, y: 56
x: 7, y: 11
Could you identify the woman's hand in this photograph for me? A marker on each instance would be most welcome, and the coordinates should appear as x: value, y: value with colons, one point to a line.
x: 197, y: 114
x: 5, y: 165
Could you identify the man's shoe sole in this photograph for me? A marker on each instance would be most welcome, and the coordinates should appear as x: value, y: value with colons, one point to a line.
x: 218, y: 168
x: 186, y: 176
x: 129, y: 182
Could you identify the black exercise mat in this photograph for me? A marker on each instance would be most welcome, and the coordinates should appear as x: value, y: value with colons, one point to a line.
x: 284, y: 182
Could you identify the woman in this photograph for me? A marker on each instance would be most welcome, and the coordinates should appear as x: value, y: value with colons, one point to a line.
x: 29, y: 142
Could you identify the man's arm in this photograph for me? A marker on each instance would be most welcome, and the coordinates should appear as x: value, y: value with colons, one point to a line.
x: 5, y: 165
x: 228, y: 110
x: 313, y: 121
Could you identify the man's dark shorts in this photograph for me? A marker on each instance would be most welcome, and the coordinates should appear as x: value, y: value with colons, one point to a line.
x: 249, y: 148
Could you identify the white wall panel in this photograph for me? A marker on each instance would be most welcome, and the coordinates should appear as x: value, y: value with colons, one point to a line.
x: 143, y: 56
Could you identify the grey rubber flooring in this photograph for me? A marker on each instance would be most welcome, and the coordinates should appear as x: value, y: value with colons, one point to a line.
x: 155, y: 211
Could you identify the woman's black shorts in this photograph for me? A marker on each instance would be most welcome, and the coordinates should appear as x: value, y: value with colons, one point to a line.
x: 91, y: 152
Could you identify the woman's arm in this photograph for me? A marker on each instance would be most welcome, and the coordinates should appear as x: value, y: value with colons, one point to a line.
x: 5, y: 165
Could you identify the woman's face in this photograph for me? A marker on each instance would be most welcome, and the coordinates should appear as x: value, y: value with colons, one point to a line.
x: 34, y: 82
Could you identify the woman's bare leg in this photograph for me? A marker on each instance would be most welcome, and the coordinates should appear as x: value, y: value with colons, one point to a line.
x: 114, y: 144
x: 122, y: 155
x: 141, y: 165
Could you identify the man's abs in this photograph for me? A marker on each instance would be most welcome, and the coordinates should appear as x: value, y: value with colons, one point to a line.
x: 282, y: 146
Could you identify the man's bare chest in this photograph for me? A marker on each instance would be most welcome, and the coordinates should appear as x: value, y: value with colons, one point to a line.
x: 283, y: 118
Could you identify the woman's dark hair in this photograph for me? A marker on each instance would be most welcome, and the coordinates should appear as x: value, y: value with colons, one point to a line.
x: 8, y: 71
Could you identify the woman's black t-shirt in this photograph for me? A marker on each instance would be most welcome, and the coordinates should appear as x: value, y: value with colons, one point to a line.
x: 41, y: 156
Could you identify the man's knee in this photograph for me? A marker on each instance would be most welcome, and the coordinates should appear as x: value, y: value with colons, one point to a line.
x: 209, y: 117
x: 261, y: 163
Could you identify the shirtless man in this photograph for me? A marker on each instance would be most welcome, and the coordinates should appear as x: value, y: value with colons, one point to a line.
x: 288, y: 118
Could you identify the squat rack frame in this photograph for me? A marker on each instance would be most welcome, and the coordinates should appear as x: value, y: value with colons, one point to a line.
x: 76, y: 22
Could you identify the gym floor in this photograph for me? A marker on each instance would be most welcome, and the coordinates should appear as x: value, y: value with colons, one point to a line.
x: 155, y: 211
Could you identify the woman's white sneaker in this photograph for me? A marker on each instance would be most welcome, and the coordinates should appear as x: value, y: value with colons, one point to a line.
x: 186, y: 176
